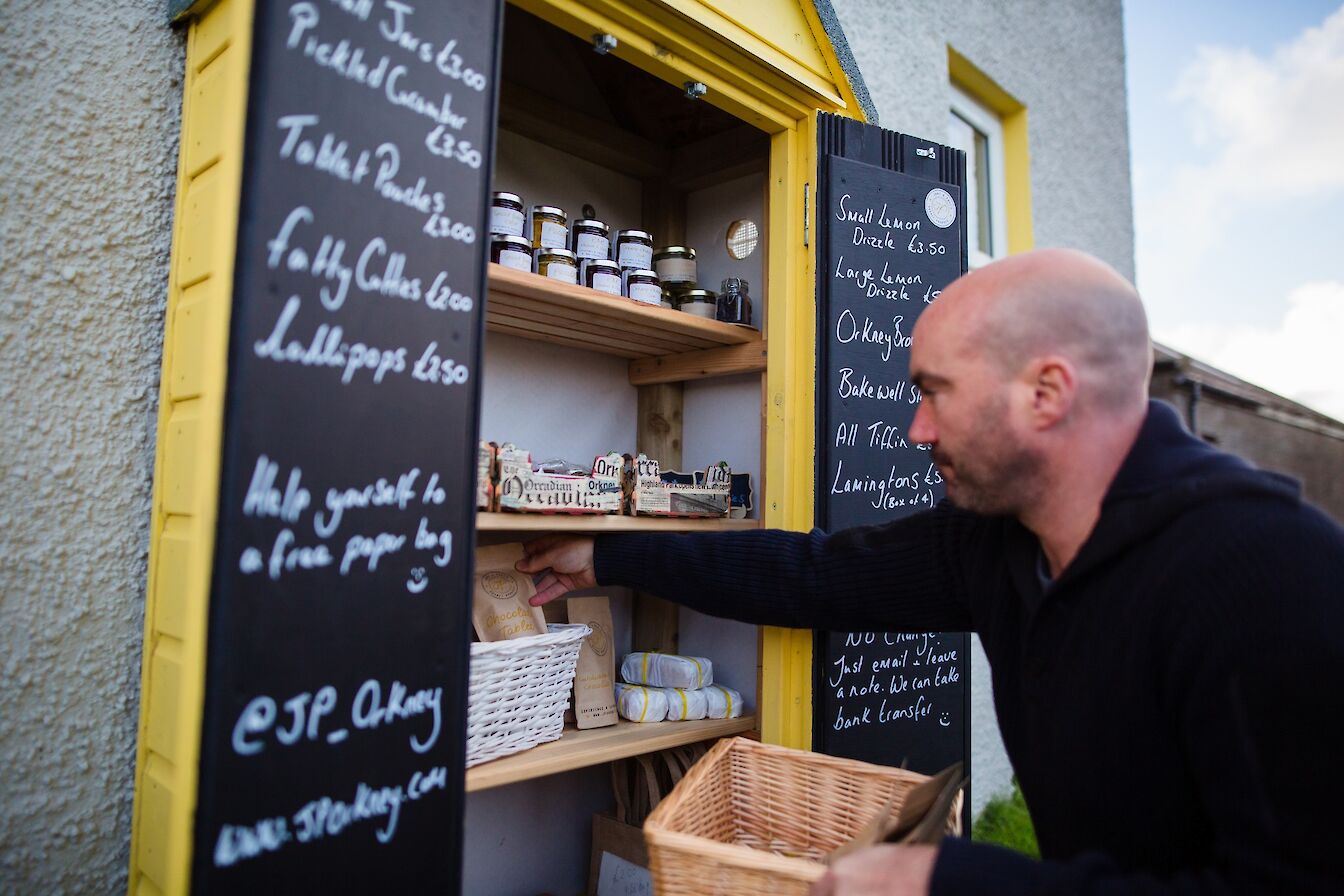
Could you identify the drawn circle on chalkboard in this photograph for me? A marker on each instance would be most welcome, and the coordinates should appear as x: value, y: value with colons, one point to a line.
x: 500, y: 585
x: 940, y: 207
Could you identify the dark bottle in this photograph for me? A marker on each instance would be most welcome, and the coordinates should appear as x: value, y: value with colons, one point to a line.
x: 734, y: 302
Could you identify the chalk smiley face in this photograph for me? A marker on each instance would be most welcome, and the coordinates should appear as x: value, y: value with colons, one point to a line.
x: 418, y: 581
x: 945, y: 720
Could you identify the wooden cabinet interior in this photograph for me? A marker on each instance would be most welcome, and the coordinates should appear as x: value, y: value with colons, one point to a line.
x: 578, y: 128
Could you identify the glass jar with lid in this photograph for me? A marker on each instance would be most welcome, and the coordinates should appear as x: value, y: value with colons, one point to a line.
x: 734, y: 305
x: 700, y: 302
x: 506, y: 214
x: 643, y: 286
x: 549, y: 227
x: 675, y: 265
x: 511, y: 252
x: 634, y: 250
x: 601, y: 274
x: 590, y: 239
x: 558, y: 264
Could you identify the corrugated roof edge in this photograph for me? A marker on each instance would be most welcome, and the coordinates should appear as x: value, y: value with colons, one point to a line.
x: 831, y: 22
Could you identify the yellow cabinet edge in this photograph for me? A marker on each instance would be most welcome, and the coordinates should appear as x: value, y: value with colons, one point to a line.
x: 186, y: 470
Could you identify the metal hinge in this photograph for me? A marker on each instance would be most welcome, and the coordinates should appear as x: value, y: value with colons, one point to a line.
x: 807, y: 196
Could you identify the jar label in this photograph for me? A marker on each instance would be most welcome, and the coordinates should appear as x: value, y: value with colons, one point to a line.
x: 519, y: 261
x: 552, y: 235
x: 506, y: 221
x: 676, y: 270
x: 558, y: 270
x: 608, y: 283
x: 590, y: 245
x: 650, y: 293
x: 635, y: 256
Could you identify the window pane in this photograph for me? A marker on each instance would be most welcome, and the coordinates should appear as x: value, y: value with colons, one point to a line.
x: 976, y: 146
x: 980, y: 180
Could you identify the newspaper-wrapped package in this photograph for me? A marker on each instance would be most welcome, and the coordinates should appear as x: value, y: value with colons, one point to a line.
x: 706, y: 493
x: 522, y: 487
x: 485, y: 475
x: 667, y: 670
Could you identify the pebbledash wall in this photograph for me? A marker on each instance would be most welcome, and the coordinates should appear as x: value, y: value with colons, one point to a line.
x: 92, y: 108
x: 91, y: 103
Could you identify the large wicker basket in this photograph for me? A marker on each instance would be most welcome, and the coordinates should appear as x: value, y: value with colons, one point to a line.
x: 519, y: 690
x: 751, y: 818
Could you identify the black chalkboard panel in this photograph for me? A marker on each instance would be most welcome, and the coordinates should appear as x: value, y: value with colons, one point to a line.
x: 334, y: 719
x: 891, y: 236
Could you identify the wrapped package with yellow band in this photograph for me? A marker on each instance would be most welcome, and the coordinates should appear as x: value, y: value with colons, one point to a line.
x: 667, y: 670
x: 685, y: 705
x: 641, y: 704
x: 722, y: 702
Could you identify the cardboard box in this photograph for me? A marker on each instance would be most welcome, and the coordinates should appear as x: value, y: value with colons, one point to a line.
x: 622, y: 845
x: 524, y: 490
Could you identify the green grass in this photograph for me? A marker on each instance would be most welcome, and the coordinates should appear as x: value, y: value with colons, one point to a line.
x: 1006, y: 822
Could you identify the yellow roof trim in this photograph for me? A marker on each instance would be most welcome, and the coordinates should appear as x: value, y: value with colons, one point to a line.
x: 774, y: 33
x: 785, y: 36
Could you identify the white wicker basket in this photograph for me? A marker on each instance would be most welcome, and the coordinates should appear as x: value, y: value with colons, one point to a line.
x: 519, y: 690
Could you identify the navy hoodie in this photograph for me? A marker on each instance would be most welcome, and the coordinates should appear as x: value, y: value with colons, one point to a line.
x: 1171, y: 703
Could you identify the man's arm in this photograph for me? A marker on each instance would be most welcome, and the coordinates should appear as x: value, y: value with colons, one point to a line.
x: 904, y: 576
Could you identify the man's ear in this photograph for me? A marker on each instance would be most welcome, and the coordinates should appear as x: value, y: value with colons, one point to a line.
x: 1054, y: 385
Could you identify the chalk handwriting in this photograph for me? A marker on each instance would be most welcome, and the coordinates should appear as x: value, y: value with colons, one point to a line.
x: 848, y: 329
x: 326, y: 349
x: 327, y: 817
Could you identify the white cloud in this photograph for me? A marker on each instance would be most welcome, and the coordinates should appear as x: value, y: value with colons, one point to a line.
x: 1245, y: 207
x: 1269, y: 130
x: 1274, y: 123
x: 1301, y: 358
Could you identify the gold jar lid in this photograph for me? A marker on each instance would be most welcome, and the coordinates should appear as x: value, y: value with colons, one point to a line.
x: 557, y: 255
x: 548, y: 210
x: 698, y: 295
x: 674, y: 252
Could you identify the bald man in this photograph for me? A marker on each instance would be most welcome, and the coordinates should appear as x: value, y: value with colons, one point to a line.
x: 1164, y: 623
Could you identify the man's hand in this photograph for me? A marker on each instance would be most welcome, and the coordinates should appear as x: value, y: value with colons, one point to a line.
x: 567, y: 561
x: 883, y: 870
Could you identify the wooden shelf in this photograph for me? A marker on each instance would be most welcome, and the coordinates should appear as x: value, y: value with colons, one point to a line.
x: 535, y: 307
x: 580, y: 749
x: 574, y: 522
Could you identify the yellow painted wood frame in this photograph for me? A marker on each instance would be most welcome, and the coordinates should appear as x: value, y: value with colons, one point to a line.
x: 732, y: 48
x: 189, y: 445
x: 735, y: 50
x: 1016, y: 147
